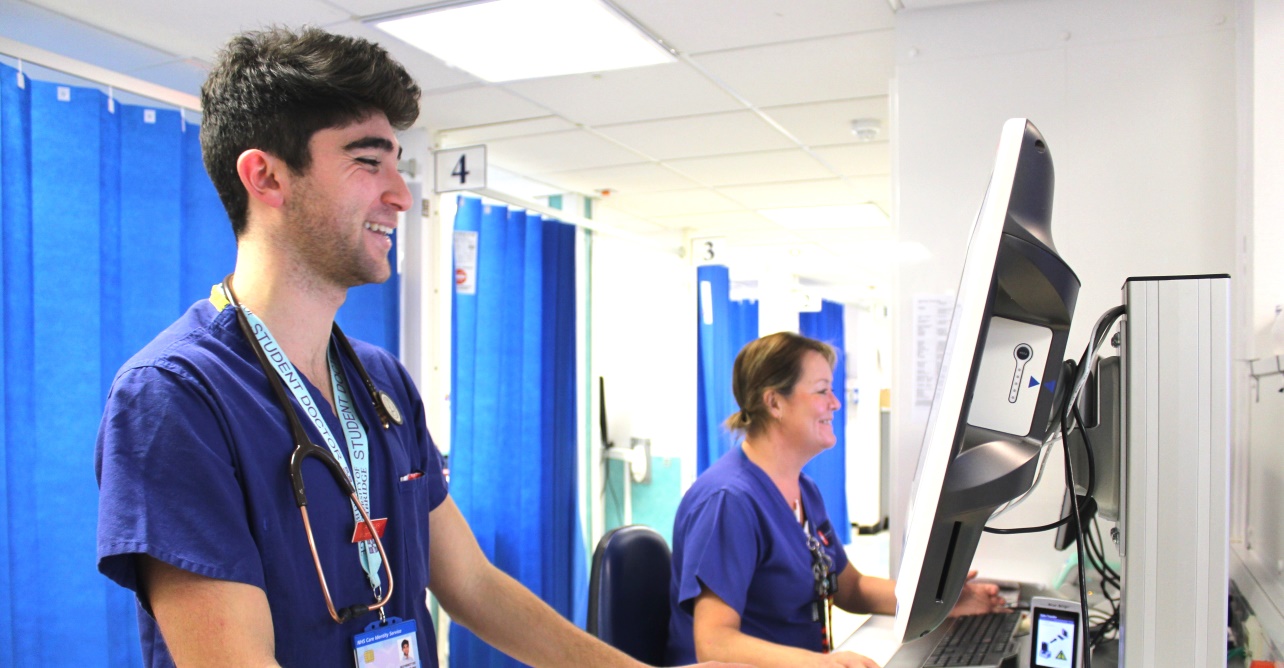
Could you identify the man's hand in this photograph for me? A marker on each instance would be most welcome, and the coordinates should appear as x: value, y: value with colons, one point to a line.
x: 978, y: 598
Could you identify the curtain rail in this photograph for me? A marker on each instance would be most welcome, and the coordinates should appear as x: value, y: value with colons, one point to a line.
x: 100, y: 75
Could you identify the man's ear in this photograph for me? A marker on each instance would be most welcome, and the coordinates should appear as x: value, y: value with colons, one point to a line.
x: 264, y: 176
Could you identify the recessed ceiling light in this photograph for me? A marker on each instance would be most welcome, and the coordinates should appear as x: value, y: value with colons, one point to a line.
x: 507, y: 40
x: 828, y: 217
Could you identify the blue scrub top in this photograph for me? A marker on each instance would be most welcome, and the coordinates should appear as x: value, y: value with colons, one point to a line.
x: 192, y: 463
x: 736, y: 536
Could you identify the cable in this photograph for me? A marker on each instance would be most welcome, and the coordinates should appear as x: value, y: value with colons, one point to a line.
x: 1099, y: 330
x: 1083, y: 505
x: 1078, y: 525
x: 1038, y: 476
x: 606, y: 487
x: 1087, y: 447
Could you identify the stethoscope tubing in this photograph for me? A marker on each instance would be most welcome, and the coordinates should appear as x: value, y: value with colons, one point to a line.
x: 304, y: 448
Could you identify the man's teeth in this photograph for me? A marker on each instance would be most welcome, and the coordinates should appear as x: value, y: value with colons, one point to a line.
x: 378, y: 228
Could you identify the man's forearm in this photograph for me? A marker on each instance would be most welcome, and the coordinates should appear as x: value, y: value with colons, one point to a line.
x: 508, y: 616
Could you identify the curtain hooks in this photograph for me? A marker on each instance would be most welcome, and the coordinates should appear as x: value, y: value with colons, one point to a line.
x: 182, y: 118
x: 111, y: 100
x: 22, y: 80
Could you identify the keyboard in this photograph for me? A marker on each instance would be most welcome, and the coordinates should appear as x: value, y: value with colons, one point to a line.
x: 976, y: 640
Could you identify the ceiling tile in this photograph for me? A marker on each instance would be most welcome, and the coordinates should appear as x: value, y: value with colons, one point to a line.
x: 826, y: 123
x: 624, y: 96
x: 469, y: 107
x: 481, y: 134
x: 43, y: 29
x: 712, y: 134
x: 673, y: 203
x: 168, y: 25
x: 556, y: 152
x: 872, y: 159
x: 864, y: 239
x: 749, y: 168
x: 644, y: 177
x: 710, y: 25
x: 724, y: 223
x: 831, y: 68
x: 614, y: 219
x: 378, y: 7
x: 827, y: 192
x: 872, y: 188
x: 428, y: 71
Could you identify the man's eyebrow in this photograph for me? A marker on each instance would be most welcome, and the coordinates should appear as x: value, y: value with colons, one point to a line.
x: 371, y: 142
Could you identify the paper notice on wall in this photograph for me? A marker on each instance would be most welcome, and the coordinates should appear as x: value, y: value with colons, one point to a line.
x: 466, y: 263
x: 931, y: 330
x: 706, y: 302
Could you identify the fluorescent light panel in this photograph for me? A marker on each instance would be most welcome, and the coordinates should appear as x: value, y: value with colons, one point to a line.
x: 828, y: 217
x: 507, y: 40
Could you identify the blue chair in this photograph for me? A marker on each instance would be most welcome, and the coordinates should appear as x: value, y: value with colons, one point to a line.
x: 629, y: 593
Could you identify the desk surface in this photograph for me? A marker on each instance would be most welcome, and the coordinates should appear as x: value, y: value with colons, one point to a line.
x: 874, y: 638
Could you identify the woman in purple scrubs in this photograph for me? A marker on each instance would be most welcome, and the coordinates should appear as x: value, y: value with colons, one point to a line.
x: 752, y: 532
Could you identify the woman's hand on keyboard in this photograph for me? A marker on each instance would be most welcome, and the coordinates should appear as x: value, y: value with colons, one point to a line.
x: 978, y: 598
x: 844, y: 660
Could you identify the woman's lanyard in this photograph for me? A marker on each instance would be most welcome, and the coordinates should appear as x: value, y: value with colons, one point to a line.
x: 353, y: 432
x: 824, y: 584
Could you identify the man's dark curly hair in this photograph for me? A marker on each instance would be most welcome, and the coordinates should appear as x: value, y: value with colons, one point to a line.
x: 273, y: 89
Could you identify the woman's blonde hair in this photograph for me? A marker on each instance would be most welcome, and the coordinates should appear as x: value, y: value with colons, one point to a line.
x: 773, y: 362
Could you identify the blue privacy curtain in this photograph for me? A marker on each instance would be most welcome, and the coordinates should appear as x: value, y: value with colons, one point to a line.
x: 725, y: 327
x: 111, y: 229
x: 829, y: 468
x: 513, y: 420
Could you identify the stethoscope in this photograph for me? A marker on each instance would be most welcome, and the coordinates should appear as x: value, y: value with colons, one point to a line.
x: 304, y: 448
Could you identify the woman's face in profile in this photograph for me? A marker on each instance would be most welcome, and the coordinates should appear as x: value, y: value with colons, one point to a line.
x: 807, y: 415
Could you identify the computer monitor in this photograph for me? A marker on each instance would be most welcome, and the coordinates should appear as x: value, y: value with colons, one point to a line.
x: 994, y: 400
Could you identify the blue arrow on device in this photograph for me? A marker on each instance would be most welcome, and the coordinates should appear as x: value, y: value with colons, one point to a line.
x: 1033, y: 381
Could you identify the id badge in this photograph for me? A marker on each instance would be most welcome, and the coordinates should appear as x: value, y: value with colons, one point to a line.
x: 390, y: 644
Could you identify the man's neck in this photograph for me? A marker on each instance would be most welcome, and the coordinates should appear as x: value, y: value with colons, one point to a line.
x: 297, y: 309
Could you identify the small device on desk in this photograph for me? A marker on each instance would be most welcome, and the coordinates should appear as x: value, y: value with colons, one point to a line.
x: 1056, y: 639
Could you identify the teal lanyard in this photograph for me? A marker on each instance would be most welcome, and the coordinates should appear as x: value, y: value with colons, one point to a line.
x: 353, y: 432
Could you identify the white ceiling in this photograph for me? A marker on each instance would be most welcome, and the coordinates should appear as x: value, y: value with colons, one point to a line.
x: 754, y: 114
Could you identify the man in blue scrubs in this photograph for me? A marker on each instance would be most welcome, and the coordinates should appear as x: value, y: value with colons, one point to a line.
x: 197, y: 510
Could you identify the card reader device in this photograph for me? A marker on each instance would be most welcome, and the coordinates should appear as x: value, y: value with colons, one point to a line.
x: 1056, y: 633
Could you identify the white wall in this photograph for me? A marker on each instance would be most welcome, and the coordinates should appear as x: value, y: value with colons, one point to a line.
x: 1257, y: 540
x: 642, y: 310
x: 1137, y: 103
x: 865, y: 327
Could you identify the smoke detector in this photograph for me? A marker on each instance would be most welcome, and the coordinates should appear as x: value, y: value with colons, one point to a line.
x: 866, y: 129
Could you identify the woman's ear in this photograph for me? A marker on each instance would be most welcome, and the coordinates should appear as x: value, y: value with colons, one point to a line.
x: 771, y: 399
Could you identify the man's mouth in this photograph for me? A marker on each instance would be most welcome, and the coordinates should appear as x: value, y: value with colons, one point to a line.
x: 381, y: 229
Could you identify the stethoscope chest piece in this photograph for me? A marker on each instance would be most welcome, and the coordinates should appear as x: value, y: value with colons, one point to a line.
x: 389, y: 407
